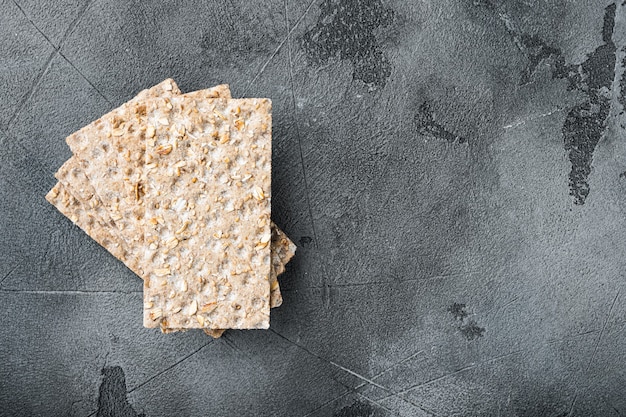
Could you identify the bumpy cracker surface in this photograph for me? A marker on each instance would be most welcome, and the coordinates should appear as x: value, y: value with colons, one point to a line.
x: 73, y: 181
x: 207, y: 195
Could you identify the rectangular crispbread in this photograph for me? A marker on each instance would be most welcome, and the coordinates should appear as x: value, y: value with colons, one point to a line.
x: 207, y: 182
x: 75, y: 170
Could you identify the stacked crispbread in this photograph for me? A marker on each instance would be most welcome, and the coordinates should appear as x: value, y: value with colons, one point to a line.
x: 178, y: 187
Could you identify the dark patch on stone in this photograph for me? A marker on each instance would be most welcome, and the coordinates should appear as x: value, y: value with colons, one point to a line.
x: 305, y: 241
x: 112, y: 401
x: 586, y: 122
x: 471, y: 330
x: 537, y: 51
x: 487, y: 4
x: 458, y: 311
x: 622, y: 86
x: 427, y: 125
x: 622, y: 175
x: 582, y: 131
x: 468, y: 327
x: 235, y: 42
x: 347, y: 30
x: 358, y: 409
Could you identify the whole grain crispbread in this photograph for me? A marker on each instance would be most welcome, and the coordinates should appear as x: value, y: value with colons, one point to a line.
x: 112, y: 158
x: 207, y: 224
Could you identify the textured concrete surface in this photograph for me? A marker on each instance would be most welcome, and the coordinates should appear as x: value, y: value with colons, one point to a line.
x: 453, y: 172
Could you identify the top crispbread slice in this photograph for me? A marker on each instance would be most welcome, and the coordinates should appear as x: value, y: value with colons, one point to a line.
x: 112, y: 156
x: 207, y: 196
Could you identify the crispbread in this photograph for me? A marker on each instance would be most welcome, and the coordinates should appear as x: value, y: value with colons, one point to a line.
x: 283, y: 249
x: 210, y: 267
x: 112, y: 159
x: 74, y: 210
x: 72, y: 173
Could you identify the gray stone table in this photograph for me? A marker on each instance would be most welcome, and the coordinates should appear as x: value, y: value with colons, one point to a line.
x: 453, y: 172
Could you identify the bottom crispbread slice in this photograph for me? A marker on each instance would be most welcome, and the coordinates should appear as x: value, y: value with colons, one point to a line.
x: 283, y: 249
